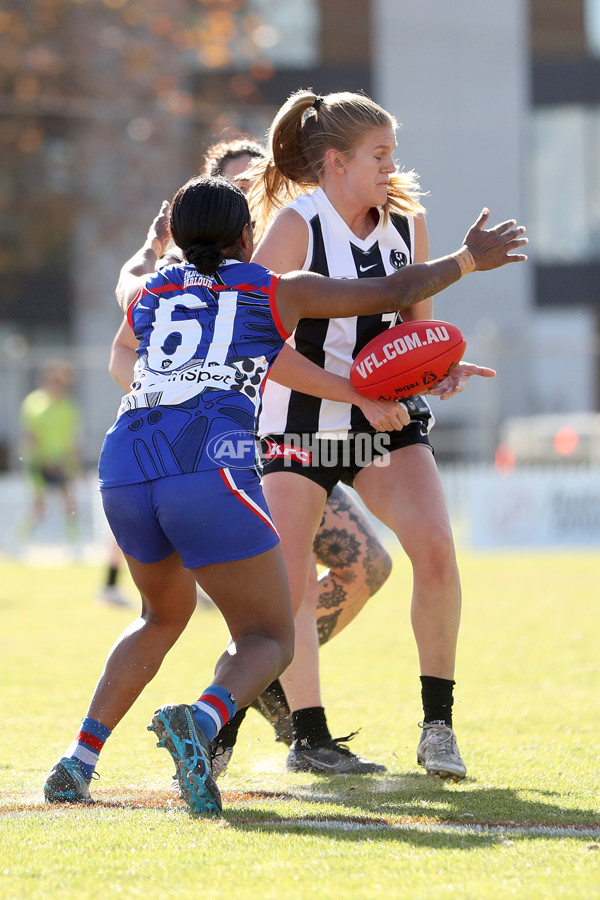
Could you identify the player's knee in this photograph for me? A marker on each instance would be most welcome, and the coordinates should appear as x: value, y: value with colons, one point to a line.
x: 435, y: 556
x: 169, y: 620
x: 286, y: 658
x: 286, y: 650
x: 278, y: 645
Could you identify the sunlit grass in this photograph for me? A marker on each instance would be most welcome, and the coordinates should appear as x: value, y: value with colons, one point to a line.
x: 527, y: 687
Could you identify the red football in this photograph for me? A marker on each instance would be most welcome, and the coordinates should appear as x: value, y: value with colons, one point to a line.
x: 407, y: 359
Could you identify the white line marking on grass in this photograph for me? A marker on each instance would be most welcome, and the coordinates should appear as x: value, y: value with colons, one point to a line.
x: 442, y: 827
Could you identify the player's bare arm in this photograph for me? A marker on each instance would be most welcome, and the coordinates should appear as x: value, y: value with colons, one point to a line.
x: 308, y: 295
x: 300, y: 374
x: 123, y: 355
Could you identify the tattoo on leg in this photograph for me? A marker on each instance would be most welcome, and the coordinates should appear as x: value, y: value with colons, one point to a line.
x: 334, y: 597
x: 377, y: 564
x: 357, y: 561
x: 366, y: 550
x: 336, y: 548
x: 326, y: 625
x: 339, y: 502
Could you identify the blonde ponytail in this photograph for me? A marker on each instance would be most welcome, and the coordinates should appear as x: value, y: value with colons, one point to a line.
x: 305, y: 127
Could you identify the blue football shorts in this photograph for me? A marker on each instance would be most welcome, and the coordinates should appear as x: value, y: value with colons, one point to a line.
x: 207, y: 517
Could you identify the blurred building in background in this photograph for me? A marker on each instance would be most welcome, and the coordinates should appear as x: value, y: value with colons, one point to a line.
x: 106, y: 106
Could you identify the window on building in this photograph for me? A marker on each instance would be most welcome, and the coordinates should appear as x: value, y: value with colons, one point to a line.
x: 564, y: 184
x: 592, y: 25
x: 282, y: 34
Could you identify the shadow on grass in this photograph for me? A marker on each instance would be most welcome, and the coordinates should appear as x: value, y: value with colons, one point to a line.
x: 407, y: 805
x: 402, y: 808
x: 341, y: 828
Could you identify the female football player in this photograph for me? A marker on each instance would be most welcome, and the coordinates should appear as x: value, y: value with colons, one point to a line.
x: 341, y: 208
x: 355, y: 562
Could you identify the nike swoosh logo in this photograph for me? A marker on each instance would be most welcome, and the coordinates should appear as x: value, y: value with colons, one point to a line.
x: 319, y: 762
x: 366, y: 268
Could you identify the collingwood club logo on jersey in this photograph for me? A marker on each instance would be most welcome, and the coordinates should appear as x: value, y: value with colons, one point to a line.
x: 398, y: 259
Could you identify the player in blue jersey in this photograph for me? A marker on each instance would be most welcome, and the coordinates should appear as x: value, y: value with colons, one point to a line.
x: 178, y: 479
x: 356, y: 564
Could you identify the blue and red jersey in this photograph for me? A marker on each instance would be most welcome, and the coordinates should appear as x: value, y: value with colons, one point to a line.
x: 205, y: 347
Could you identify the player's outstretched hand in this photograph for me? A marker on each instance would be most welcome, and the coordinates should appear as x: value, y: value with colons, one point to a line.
x: 159, y: 233
x: 457, y: 380
x: 383, y: 415
x: 496, y: 246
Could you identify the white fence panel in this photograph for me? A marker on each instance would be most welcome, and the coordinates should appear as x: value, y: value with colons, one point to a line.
x: 537, y: 506
x: 528, y: 507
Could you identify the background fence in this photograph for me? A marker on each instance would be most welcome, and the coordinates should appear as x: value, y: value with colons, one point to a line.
x: 526, y: 507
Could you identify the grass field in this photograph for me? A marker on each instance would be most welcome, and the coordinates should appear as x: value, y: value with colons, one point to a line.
x: 525, y: 823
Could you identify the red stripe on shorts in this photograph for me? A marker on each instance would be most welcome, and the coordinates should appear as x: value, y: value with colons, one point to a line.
x: 255, y: 508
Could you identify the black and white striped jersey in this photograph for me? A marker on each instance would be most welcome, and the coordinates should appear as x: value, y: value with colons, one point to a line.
x: 334, y: 250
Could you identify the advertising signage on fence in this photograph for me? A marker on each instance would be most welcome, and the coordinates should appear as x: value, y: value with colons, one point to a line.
x: 536, y: 507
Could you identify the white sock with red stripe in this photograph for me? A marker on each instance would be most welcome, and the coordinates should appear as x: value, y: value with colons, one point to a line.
x: 87, y: 745
x: 214, y: 709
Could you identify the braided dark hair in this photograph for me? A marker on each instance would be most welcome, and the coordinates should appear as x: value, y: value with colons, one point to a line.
x: 208, y: 215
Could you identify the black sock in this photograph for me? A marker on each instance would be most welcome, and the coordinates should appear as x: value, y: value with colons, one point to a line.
x: 310, y: 726
x: 229, y: 732
x: 112, y: 575
x: 437, y: 697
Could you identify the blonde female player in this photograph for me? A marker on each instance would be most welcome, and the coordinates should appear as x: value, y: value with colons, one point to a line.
x: 342, y: 209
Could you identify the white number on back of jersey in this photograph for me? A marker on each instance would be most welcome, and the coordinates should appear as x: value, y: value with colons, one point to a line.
x: 176, y: 336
